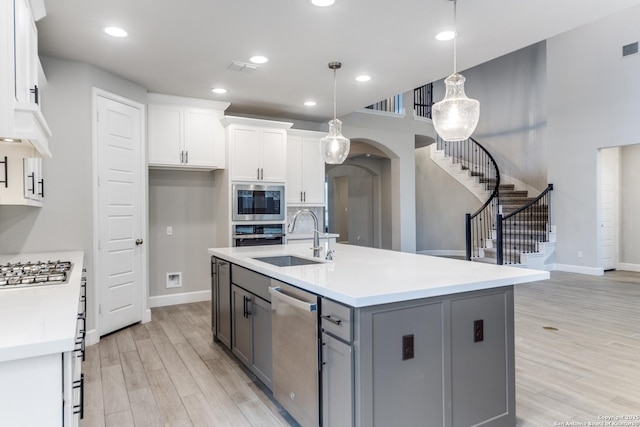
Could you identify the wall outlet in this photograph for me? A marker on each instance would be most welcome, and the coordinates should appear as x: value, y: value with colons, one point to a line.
x: 169, y: 231
x: 579, y: 254
x: 174, y: 280
x: 478, y: 330
x: 407, y: 347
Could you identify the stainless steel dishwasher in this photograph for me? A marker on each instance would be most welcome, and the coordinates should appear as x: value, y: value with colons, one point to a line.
x: 294, y: 318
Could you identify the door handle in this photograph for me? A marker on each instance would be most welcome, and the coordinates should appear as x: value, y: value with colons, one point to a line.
x: 139, y: 242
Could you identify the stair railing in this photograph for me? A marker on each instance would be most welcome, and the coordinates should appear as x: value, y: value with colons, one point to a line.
x: 524, y: 228
x: 472, y: 156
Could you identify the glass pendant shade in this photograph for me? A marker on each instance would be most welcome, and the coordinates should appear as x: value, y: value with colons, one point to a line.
x: 334, y: 147
x: 456, y: 116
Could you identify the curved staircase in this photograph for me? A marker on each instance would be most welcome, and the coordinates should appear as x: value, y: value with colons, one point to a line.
x: 511, y: 227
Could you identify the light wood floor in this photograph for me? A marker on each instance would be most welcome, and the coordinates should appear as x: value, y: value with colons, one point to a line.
x: 168, y: 372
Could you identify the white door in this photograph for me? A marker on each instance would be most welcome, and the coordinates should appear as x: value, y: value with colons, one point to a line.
x: 609, y: 205
x: 120, y: 214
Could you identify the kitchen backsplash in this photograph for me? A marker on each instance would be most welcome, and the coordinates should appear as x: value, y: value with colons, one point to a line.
x: 304, y: 223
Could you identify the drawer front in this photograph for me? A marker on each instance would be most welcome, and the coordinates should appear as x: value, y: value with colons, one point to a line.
x: 251, y: 281
x: 337, y: 319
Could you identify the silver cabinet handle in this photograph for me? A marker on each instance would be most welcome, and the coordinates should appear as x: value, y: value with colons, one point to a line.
x: 332, y: 320
x: 181, y: 157
x: 139, y: 242
x: 294, y: 302
x: 305, y: 196
x: 258, y: 177
x: 262, y: 173
x: 301, y: 196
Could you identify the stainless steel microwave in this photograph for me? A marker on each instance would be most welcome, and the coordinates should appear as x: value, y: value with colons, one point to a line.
x: 256, y: 202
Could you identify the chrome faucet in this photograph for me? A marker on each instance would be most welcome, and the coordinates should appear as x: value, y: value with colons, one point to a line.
x: 316, y: 234
x: 330, y: 252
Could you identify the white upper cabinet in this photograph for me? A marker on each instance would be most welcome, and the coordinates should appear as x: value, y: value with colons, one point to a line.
x: 185, y: 133
x: 305, y: 168
x: 21, y: 118
x: 21, y: 177
x: 257, y: 149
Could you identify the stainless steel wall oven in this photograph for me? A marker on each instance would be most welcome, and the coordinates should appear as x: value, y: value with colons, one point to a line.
x: 258, y: 234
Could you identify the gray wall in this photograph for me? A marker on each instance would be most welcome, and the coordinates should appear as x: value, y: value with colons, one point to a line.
x: 65, y: 222
x: 512, y: 94
x: 630, y: 205
x: 441, y: 203
x: 183, y: 200
x: 593, y: 102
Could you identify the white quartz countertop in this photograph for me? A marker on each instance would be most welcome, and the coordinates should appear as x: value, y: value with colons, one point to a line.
x: 40, y: 320
x: 360, y: 276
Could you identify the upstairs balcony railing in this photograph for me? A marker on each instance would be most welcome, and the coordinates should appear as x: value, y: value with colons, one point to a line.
x: 395, y: 105
x: 422, y: 102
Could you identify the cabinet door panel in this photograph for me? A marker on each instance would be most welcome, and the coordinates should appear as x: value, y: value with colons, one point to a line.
x: 337, y: 383
x: 200, y: 137
x: 412, y: 390
x: 245, y: 158
x: 294, y: 169
x: 26, y: 52
x: 223, y: 320
x: 261, y: 341
x: 241, y: 327
x: 479, y: 375
x: 312, y: 172
x: 274, y: 155
x: 165, y: 135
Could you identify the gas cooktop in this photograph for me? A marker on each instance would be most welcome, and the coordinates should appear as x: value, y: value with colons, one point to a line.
x: 28, y: 274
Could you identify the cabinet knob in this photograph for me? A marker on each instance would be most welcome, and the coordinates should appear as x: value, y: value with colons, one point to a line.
x: 139, y: 242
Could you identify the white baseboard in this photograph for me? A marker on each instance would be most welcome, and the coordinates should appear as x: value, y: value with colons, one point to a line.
x: 443, y: 252
x: 146, y: 316
x: 92, y: 337
x: 628, y: 267
x: 183, y: 298
x: 591, y: 271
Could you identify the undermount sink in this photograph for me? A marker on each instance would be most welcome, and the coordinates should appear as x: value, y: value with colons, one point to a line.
x: 287, y: 260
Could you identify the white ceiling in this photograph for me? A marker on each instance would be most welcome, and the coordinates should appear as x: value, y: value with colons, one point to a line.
x: 183, y: 47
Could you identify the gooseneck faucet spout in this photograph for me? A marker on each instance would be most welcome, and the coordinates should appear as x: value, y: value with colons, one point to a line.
x: 316, y: 234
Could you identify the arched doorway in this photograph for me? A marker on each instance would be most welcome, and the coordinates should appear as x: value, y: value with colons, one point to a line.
x: 359, y: 199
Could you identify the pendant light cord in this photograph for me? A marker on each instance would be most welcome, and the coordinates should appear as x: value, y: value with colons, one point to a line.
x: 334, y: 94
x: 455, y: 36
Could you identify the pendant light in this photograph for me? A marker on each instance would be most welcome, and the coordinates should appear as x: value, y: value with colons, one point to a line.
x: 334, y: 147
x: 456, y: 116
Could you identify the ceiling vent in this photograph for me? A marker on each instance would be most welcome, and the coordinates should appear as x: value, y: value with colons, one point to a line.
x: 630, y: 49
x: 243, y: 67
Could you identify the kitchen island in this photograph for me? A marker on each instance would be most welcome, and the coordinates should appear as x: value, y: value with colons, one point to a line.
x: 405, y: 339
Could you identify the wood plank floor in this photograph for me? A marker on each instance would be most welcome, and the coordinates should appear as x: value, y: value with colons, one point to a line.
x: 168, y: 372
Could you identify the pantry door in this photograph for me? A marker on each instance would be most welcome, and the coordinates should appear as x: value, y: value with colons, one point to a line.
x: 121, y: 255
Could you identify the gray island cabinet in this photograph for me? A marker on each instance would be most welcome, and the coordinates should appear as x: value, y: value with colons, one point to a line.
x: 405, y: 340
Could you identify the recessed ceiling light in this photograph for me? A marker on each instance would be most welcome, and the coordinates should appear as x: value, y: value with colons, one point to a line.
x: 116, y: 32
x: 259, y: 59
x: 363, y: 78
x: 219, y: 90
x: 322, y: 3
x: 310, y: 103
x: 446, y: 35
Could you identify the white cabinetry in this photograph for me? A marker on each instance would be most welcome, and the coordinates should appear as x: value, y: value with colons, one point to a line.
x: 305, y: 168
x: 185, y: 133
x: 257, y: 149
x: 21, y: 177
x: 20, y: 114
